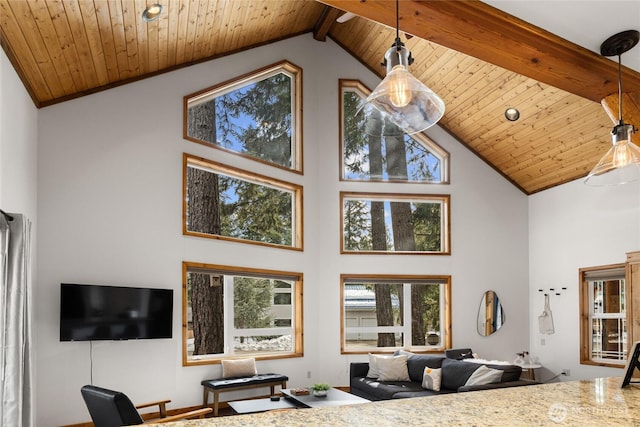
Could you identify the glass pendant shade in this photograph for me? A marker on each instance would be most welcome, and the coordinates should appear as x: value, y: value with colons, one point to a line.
x: 621, y: 164
x: 401, y: 99
x: 377, y: 123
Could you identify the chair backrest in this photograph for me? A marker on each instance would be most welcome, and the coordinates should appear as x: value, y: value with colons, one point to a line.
x: 109, y: 408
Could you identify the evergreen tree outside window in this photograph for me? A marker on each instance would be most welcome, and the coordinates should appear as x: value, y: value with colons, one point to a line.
x: 390, y: 312
x: 395, y: 223
x: 257, y: 116
x: 397, y: 158
x: 227, y: 203
x: 230, y: 311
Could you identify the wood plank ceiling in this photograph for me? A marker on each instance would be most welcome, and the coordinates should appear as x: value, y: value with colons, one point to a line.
x: 478, y: 59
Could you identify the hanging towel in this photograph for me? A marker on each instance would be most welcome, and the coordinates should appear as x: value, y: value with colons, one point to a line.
x: 545, y: 320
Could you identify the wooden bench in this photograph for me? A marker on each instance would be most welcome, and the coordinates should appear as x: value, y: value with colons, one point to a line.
x: 219, y: 385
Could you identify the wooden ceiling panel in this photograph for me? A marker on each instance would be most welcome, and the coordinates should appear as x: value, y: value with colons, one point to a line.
x: 47, y: 30
x: 477, y: 58
x: 21, y: 27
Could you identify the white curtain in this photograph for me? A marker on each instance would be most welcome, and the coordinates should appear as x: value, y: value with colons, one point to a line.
x: 15, y: 322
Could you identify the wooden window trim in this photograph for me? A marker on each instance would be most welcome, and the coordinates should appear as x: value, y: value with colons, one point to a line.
x: 226, y: 269
x: 585, y: 324
x: 296, y: 129
x: 297, y: 214
x: 448, y: 340
x: 431, y: 145
x: 446, y: 219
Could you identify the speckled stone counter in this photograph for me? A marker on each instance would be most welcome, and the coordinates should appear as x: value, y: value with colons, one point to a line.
x: 598, y: 402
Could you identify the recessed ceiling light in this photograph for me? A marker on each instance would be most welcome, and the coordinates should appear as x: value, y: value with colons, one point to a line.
x: 512, y: 114
x: 152, y: 12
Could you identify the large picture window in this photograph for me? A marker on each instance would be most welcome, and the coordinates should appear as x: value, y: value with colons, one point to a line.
x: 256, y: 116
x: 394, y: 157
x: 394, y: 223
x: 232, y: 204
x: 232, y: 311
x: 386, y: 312
x: 603, y: 324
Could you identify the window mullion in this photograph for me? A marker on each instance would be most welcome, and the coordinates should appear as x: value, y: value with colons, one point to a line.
x: 406, y: 316
x: 228, y: 314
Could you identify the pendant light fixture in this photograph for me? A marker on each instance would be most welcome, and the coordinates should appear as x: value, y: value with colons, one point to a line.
x: 621, y: 164
x: 401, y: 99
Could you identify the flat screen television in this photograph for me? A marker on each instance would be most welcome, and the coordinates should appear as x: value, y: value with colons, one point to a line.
x: 94, y: 312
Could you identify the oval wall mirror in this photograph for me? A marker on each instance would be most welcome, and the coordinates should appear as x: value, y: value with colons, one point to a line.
x: 491, y: 315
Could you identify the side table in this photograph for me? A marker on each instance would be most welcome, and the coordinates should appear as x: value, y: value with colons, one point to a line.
x: 529, y: 367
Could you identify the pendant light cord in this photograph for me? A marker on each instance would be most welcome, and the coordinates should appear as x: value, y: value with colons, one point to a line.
x: 620, y: 88
x: 398, y: 45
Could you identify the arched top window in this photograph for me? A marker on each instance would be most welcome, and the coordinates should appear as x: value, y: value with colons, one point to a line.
x: 404, y: 158
x: 257, y: 116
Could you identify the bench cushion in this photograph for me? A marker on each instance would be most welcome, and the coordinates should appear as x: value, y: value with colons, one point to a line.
x: 221, y: 383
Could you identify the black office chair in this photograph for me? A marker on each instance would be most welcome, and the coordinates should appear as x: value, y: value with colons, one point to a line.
x: 110, y: 408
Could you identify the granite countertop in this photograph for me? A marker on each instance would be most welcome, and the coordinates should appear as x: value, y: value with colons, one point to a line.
x: 594, y: 402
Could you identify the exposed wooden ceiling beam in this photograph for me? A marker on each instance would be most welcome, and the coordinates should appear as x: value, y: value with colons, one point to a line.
x: 489, y: 34
x: 325, y: 22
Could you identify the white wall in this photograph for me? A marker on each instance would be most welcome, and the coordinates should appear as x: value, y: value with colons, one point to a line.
x: 574, y: 226
x: 18, y: 144
x: 110, y: 177
x: 18, y: 156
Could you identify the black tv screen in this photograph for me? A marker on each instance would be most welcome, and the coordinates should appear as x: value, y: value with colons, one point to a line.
x: 92, y: 312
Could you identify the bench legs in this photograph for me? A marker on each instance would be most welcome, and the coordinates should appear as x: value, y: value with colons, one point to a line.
x: 216, y: 399
x: 216, y: 402
x: 216, y: 393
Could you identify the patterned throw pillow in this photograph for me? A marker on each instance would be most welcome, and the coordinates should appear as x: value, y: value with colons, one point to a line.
x: 432, y: 378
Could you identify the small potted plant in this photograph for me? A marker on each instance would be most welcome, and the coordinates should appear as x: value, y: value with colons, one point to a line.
x: 320, y: 389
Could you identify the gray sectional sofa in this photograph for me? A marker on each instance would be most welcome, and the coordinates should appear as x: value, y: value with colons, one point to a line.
x: 454, y: 372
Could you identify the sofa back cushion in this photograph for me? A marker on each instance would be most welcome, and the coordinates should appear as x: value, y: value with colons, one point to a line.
x: 458, y: 353
x: 509, y: 372
x: 417, y: 362
x: 455, y: 373
x: 484, y: 375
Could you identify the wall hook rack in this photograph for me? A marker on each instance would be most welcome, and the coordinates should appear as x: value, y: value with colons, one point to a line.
x: 557, y: 291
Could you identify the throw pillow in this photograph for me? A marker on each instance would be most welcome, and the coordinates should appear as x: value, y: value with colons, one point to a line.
x: 239, y: 368
x: 373, y: 365
x: 484, y: 375
x: 432, y: 378
x: 393, y: 369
